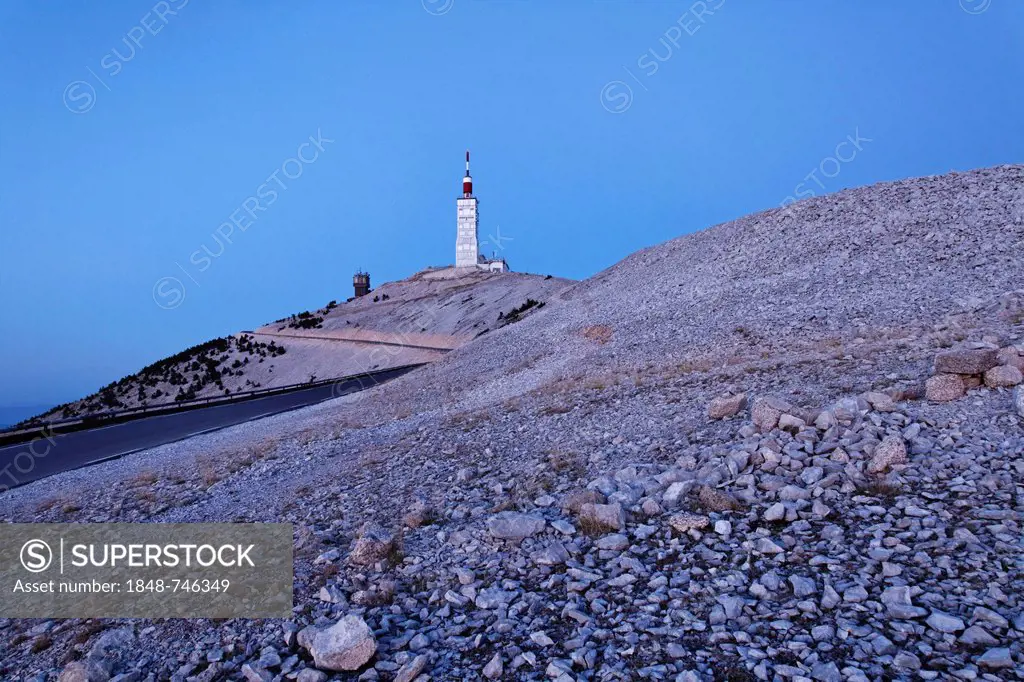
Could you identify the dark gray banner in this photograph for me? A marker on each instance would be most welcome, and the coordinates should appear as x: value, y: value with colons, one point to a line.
x: 146, y: 570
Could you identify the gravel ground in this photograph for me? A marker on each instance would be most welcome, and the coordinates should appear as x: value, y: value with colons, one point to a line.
x: 725, y: 457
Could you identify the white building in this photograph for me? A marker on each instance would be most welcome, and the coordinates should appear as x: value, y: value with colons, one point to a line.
x: 467, y: 245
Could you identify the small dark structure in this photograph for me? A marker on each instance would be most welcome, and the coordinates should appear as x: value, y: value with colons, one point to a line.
x: 361, y: 282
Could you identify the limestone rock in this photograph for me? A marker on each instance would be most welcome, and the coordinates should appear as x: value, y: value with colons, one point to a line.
x: 346, y: 645
x: 110, y: 643
x: 374, y: 544
x: 575, y: 500
x: 909, y: 391
x: 765, y: 545
x: 776, y: 512
x: 304, y: 637
x: 685, y: 522
x: 825, y: 420
x: 514, y: 525
x: 727, y: 406
x: 996, y: 659
x: 716, y: 500
x: 1011, y: 356
x: 855, y: 594
x: 411, y: 670
x: 898, y: 603
x: 1018, y: 400
x: 83, y: 671
x: 846, y: 410
x: 254, y: 672
x: 826, y: 672
x: 381, y: 593
x: 880, y: 402
x: 420, y: 514
x: 942, y: 388
x: 966, y: 361
x: 765, y: 412
x: 312, y: 675
x: 541, y: 639
x: 802, y: 586
x: 552, y: 555
x: 977, y: 636
x: 891, y: 451
x: 494, y: 668
x: 675, y: 492
x: 613, y: 542
x: 788, y: 422
x: 493, y: 597
x: 602, y: 517
x: 944, y: 622
x: 332, y: 594
x: 1003, y: 376
x: 650, y: 507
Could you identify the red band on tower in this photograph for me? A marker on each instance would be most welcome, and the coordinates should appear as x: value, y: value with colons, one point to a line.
x: 467, y: 182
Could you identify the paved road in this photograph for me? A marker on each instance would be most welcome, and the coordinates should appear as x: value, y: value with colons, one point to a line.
x: 438, y: 342
x: 27, y: 462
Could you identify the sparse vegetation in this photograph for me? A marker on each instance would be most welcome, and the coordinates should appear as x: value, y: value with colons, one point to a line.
x: 85, y: 633
x: 598, y: 333
x: 567, y: 464
x: 194, y: 371
x: 590, y: 527
x: 305, y: 320
x: 41, y: 643
x: 517, y: 313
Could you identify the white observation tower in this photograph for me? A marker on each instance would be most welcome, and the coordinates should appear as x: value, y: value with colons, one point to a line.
x: 467, y: 245
x: 467, y: 249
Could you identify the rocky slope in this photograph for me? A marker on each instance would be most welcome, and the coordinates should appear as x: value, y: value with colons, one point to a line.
x: 786, y: 448
x: 410, y: 321
x: 866, y: 263
x: 438, y: 301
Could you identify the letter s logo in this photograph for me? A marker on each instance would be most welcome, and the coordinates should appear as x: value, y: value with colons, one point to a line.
x: 36, y: 556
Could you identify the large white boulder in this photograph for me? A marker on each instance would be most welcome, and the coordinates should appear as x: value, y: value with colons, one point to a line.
x: 346, y: 645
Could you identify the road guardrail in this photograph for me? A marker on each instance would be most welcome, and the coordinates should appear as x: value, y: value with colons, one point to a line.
x: 82, y: 423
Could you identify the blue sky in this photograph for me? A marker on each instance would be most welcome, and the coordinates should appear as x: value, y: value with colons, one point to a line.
x: 131, y: 132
